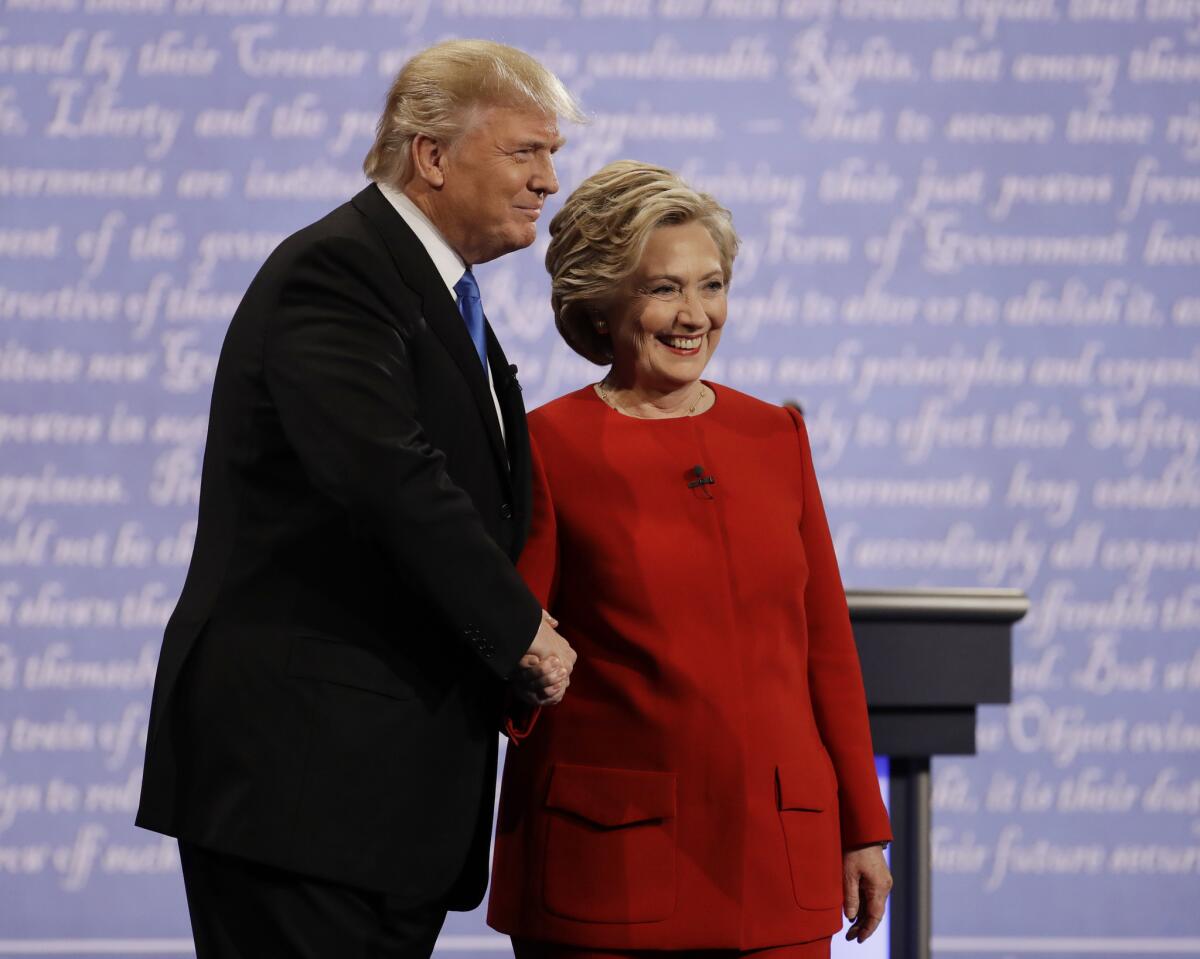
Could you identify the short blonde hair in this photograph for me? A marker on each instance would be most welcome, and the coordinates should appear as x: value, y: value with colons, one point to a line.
x: 436, y: 91
x: 598, y: 237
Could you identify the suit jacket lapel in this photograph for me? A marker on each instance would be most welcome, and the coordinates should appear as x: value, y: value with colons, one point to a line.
x: 438, y: 307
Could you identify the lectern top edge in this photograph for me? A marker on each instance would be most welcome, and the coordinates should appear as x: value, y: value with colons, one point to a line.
x: 965, y: 603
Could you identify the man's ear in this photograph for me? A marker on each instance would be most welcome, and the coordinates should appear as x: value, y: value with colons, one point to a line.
x: 429, y: 160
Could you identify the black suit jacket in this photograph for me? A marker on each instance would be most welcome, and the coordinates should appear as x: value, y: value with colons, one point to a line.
x: 331, y: 681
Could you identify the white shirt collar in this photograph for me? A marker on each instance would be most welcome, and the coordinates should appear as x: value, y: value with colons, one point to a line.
x: 450, y: 265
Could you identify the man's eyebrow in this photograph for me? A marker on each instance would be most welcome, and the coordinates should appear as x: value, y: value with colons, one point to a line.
x: 556, y: 144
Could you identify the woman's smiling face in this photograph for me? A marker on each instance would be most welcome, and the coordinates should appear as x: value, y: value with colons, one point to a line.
x: 666, y: 321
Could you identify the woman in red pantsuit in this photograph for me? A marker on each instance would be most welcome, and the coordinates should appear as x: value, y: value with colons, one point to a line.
x: 707, y: 783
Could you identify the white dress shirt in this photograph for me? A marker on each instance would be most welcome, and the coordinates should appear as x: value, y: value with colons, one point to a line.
x: 450, y: 265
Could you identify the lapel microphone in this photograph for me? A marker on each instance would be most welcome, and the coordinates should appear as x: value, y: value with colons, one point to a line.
x: 701, y: 479
x: 512, y: 376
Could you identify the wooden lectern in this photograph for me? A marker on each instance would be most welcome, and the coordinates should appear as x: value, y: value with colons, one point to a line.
x: 929, y: 658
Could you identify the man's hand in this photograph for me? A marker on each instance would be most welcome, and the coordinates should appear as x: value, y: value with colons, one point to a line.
x: 544, y: 671
x: 866, y: 882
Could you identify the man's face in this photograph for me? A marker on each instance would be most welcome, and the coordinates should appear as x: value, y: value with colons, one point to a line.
x: 497, y: 176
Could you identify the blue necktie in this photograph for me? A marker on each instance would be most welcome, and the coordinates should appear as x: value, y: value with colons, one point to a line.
x: 471, y: 308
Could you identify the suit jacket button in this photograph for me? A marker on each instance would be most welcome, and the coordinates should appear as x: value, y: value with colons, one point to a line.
x: 506, y: 510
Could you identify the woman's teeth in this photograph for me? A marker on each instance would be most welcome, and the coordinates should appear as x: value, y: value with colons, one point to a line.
x: 681, y: 342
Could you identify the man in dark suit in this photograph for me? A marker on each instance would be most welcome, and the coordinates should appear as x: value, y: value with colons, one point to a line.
x: 323, y: 733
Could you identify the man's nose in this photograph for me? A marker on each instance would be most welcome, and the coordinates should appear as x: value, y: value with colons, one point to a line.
x: 544, y: 179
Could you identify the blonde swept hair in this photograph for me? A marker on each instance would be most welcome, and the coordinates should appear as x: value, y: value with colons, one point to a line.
x: 437, y: 90
x: 598, y: 237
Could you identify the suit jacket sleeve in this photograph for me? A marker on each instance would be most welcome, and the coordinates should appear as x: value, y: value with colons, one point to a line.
x: 539, y: 565
x: 339, y: 372
x: 539, y: 559
x: 834, y: 673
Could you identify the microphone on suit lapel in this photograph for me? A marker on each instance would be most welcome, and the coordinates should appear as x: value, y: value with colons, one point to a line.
x: 512, y: 375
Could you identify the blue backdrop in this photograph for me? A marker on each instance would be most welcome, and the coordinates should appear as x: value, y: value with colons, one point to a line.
x: 971, y: 250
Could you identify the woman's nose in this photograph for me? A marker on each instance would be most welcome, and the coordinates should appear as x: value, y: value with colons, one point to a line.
x: 691, y: 310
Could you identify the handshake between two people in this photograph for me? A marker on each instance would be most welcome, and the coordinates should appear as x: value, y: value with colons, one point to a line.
x: 544, y: 672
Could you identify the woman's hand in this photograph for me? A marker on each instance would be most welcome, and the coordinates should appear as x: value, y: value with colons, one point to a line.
x: 542, y: 680
x: 866, y: 882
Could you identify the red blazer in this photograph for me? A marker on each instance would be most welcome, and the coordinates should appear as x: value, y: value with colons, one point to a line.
x: 712, y: 757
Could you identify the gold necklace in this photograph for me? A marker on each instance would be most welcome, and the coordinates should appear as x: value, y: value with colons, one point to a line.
x: 609, y: 400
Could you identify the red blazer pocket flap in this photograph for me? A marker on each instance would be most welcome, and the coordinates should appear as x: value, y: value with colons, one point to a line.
x: 612, y: 797
x: 803, y: 787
